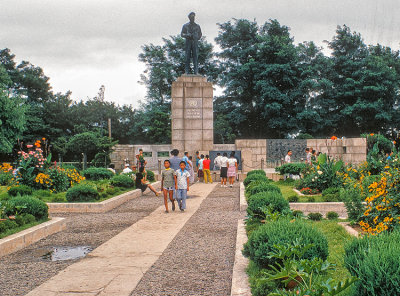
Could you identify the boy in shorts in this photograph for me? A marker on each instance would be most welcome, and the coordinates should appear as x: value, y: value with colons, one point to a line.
x: 168, y: 184
x: 182, y: 185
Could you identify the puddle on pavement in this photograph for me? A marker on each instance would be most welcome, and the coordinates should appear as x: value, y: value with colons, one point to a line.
x: 66, y: 253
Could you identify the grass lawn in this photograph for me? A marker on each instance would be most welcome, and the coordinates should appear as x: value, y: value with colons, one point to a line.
x: 23, y: 227
x: 287, y: 186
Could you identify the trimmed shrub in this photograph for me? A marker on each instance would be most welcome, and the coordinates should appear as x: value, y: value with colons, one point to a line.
x: 254, y: 177
x: 292, y: 168
x: 150, y: 176
x: 256, y: 172
x: 6, y: 225
x: 28, y: 205
x: 375, y: 260
x: 331, y: 190
x: 315, y: 216
x: 28, y: 218
x: 261, y: 242
x: 293, y: 198
x: 122, y: 181
x: 82, y: 193
x: 266, y: 199
x: 310, y: 198
x: 298, y: 214
x: 264, y: 187
x: 332, y: 215
x: 330, y: 197
x: 20, y: 190
x: 95, y: 174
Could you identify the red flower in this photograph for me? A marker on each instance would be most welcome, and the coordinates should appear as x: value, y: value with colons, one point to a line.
x: 333, y: 138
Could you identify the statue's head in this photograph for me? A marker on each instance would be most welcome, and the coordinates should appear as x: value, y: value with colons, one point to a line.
x: 191, y: 16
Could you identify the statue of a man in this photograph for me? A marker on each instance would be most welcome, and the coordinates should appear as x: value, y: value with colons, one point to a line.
x: 192, y: 33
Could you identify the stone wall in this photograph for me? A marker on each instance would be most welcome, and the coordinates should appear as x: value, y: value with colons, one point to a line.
x: 278, y: 148
x: 253, y: 153
x: 129, y: 152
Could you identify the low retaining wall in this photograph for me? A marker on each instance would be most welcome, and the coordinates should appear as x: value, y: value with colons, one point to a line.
x: 97, y: 207
x: 31, y: 235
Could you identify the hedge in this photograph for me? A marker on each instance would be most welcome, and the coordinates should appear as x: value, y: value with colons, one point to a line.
x: 122, y: 181
x: 27, y: 205
x: 82, y: 193
x: 271, y: 199
x: 97, y: 174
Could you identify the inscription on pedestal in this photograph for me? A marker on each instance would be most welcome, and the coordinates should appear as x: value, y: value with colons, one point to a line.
x: 193, y: 108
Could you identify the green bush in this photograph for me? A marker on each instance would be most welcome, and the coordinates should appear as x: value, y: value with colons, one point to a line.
x: 375, y: 260
x: 330, y: 197
x: 331, y: 190
x: 28, y: 218
x: 264, y: 187
x: 95, y: 174
x: 19, y: 220
x: 293, y: 198
x: 254, y: 177
x: 298, y: 214
x: 5, y: 178
x: 257, y: 172
x: 59, y: 198
x: 122, y: 181
x: 82, y: 193
x: 20, y: 190
x: 332, y: 215
x: 60, y: 181
x: 150, y: 176
x: 315, y: 216
x: 331, y: 194
x: 28, y: 205
x: 353, y: 202
x: 310, y: 198
x: 292, y: 168
x: 272, y: 199
x: 6, y: 225
x: 283, y: 231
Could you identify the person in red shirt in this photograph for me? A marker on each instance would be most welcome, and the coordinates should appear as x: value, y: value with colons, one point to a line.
x: 206, y: 170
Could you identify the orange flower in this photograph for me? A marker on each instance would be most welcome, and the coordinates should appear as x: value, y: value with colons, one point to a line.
x: 43, y: 139
x: 333, y: 138
x: 372, y: 134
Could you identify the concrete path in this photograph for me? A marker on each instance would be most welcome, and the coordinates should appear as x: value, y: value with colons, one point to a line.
x: 116, y: 267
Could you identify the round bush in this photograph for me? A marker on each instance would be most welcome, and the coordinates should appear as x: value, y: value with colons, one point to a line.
x: 315, y: 216
x: 310, y: 198
x: 298, y: 214
x: 97, y: 174
x: 254, y: 177
x: 271, y: 199
x: 122, y: 181
x: 264, y: 187
x: 293, y: 198
x: 28, y: 205
x: 150, y: 176
x: 28, y: 218
x: 20, y: 190
x: 82, y: 193
x: 332, y: 215
x: 6, y: 225
x: 283, y: 232
x: 375, y: 260
x: 256, y: 172
x: 330, y: 197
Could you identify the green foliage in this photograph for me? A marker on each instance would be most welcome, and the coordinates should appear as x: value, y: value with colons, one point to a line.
x: 59, y: 178
x: 5, y: 178
x: 297, y: 214
x: 122, y: 181
x: 28, y: 205
x: 331, y: 194
x: 256, y: 172
x: 314, y: 216
x: 264, y: 187
x: 332, y: 215
x: 293, y: 198
x: 384, y: 145
x: 375, y: 260
x: 281, y: 232
x: 82, y: 193
x: 271, y: 199
x: 150, y: 176
x: 254, y: 177
x: 353, y: 202
x: 20, y: 190
x: 97, y: 174
x: 292, y: 168
x: 310, y: 199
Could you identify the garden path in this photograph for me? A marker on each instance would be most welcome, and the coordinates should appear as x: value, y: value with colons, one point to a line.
x: 188, y: 253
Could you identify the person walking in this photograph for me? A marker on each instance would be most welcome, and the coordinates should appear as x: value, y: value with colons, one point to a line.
x: 206, y: 170
x: 142, y: 184
x: 182, y: 185
x: 232, y: 169
x: 191, y: 170
x: 200, y: 173
x: 217, y: 162
x: 175, y: 161
x: 185, y: 158
x: 168, y: 184
x: 224, y: 169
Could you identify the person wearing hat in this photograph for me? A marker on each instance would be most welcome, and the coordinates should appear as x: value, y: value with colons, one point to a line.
x: 126, y: 170
x: 192, y: 33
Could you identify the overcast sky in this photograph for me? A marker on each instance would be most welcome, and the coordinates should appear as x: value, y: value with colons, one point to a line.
x: 82, y: 44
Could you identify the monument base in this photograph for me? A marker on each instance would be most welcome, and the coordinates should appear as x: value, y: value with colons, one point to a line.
x: 192, y: 114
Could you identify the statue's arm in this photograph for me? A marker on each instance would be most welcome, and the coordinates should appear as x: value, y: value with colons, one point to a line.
x: 200, y: 34
x: 184, y: 32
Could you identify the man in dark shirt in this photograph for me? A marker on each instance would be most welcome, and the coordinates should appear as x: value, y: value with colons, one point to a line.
x: 192, y: 33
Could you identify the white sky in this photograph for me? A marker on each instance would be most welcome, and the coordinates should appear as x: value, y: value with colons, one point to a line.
x: 82, y: 44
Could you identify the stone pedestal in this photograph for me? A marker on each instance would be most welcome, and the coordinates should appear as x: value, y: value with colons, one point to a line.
x: 192, y: 114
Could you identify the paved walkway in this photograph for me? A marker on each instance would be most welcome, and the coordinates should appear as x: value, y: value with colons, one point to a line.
x: 117, y: 266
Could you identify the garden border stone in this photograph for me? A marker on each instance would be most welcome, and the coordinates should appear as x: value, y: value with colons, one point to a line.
x: 243, y: 202
x: 349, y: 229
x: 240, y: 279
x: 98, y: 207
x: 31, y: 235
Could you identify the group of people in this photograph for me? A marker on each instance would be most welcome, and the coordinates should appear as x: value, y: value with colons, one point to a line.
x: 311, y: 156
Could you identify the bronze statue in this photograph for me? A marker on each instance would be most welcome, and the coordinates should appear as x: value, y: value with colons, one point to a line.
x: 192, y: 33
